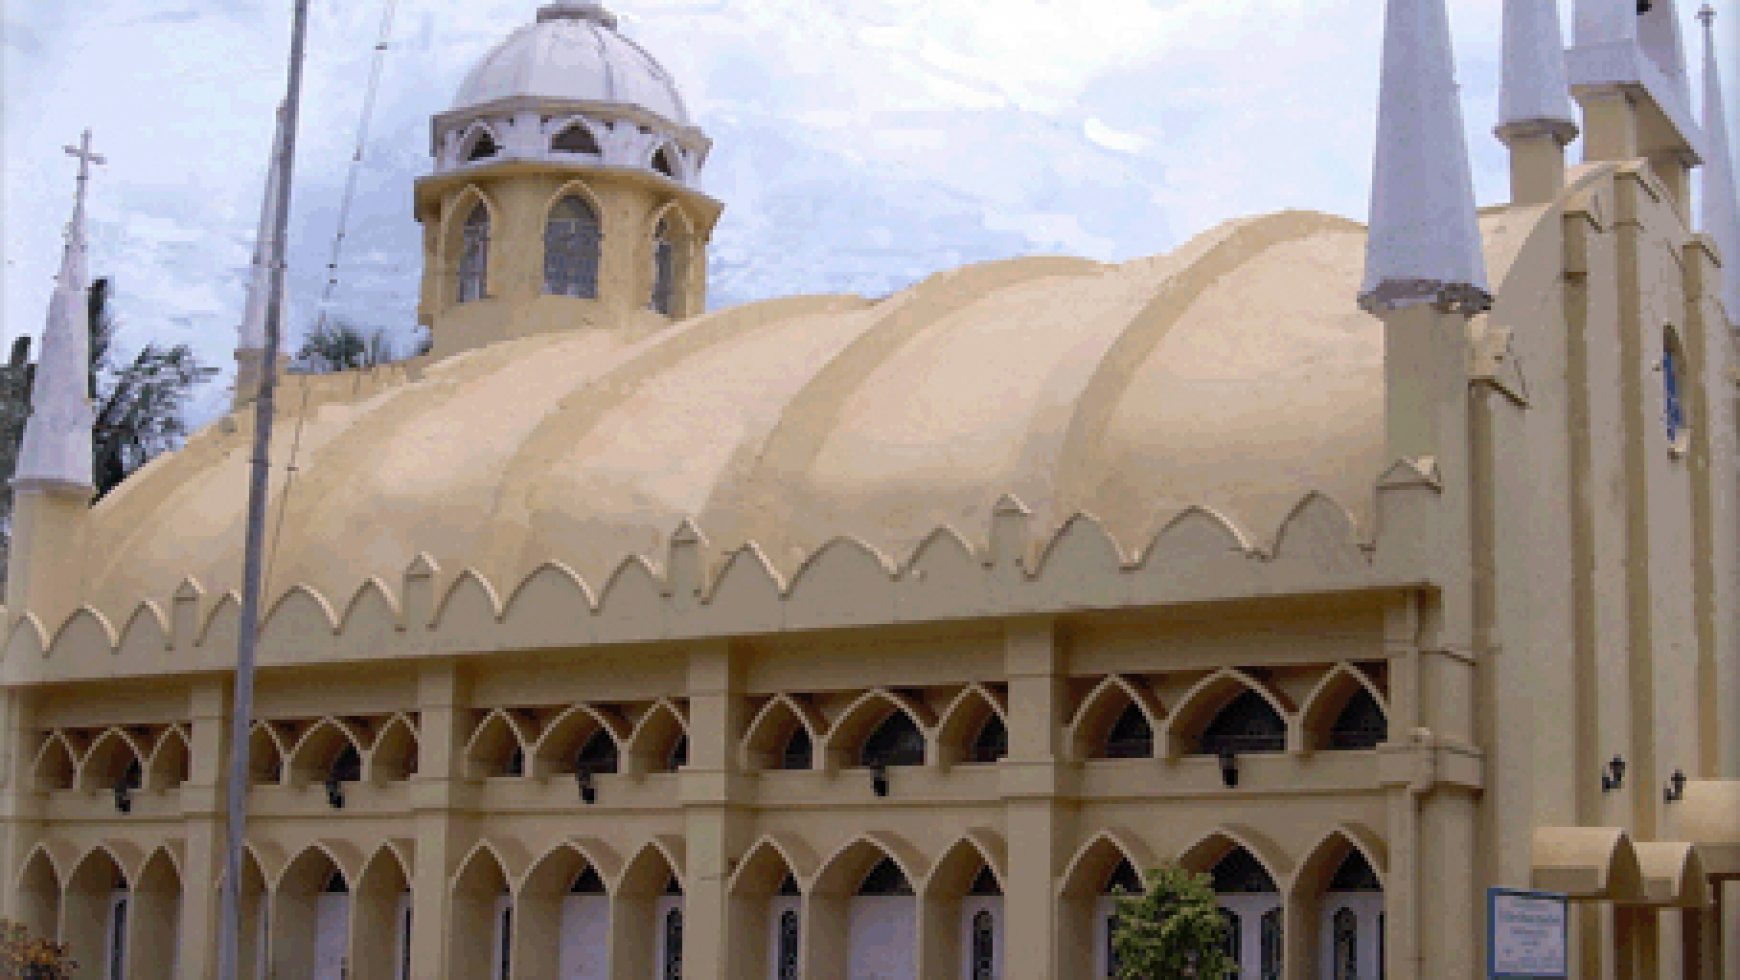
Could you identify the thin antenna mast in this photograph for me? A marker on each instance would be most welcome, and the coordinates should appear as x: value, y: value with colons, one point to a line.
x: 242, y: 707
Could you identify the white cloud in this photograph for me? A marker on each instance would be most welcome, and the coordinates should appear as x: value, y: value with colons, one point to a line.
x: 860, y: 144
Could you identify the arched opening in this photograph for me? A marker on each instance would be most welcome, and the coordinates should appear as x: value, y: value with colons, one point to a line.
x: 496, y: 748
x: 481, y: 147
x: 114, y: 760
x: 647, y: 917
x: 155, y: 939
x: 171, y: 761
x: 479, y: 939
x: 1247, y: 892
x: 54, y: 768
x: 963, y: 903
x: 573, y: 242
x: 991, y: 744
x: 394, y: 756
x: 1247, y: 724
x: 765, y: 915
x: 265, y: 756
x: 1130, y: 737
x: 799, y: 750
x: 37, y: 904
x: 597, y: 754
x: 564, y: 920
x: 664, y: 162
x: 576, y: 138
x: 660, y: 742
x: 1337, y: 904
x: 382, y: 914
x: 311, y: 918
x: 474, y: 255
x: 1361, y: 724
x: 972, y: 730
x: 95, y: 923
x: 895, y: 742
x: 778, y: 737
x: 862, y: 917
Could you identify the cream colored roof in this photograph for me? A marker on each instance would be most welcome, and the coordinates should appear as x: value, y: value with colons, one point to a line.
x: 1235, y: 373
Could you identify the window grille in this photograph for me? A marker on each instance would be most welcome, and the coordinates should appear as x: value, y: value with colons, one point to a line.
x: 573, y: 241
x: 1346, y: 961
x: 474, y: 255
x: 672, y: 968
x: 1247, y: 724
x: 788, y: 945
x: 984, y: 945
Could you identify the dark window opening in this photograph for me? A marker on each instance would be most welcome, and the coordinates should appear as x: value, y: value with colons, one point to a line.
x: 788, y: 885
x: 1361, y: 724
x: 1355, y: 875
x: 1131, y: 736
x: 1240, y: 874
x: 1123, y: 880
x: 483, y: 148
x: 673, y: 886
x: 679, y: 756
x: 1230, y: 921
x: 516, y: 763
x: 1248, y: 723
x: 662, y: 163
x: 885, y: 879
x: 587, y: 883
x: 895, y: 742
x: 788, y: 945
x: 336, y: 885
x: 985, y: 883
x: 798, y: 753
x: 474, y: 255
x: 1272, y: 944
x: 598, y: 755
x: 347, y: 767
x: 673, y: 964
x: 984, y: 945
x: 992, y: 742
x: 575, y: 139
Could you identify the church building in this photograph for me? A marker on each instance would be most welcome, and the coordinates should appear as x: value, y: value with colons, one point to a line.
x: 1363, y: 568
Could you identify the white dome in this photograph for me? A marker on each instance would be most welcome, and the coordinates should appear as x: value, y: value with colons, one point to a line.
x: 573, y: 53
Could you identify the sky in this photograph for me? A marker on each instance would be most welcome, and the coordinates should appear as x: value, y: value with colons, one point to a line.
x: 860, y: 145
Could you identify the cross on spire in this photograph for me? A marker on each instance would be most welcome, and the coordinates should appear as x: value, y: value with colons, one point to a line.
x: 86, y: 156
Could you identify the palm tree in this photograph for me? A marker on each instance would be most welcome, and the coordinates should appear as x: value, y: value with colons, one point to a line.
x: 140, y: 404
x: 339, y: 345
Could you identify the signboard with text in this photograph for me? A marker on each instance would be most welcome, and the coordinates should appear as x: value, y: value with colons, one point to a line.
x: 1527, y: 934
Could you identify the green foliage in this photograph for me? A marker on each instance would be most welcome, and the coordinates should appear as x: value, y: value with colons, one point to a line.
x: 29, y: 958
x: 337, y: 345
x: 1174, y: 930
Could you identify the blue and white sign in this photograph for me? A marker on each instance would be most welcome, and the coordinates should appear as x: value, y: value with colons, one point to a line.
x: 1527, y: 934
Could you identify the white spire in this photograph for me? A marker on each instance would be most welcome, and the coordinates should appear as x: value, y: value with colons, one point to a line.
x: 57, y: 437
x: 251, y: 336
x: 1721, y: 217
x: 1535, y: 93
x: 1423, y: 245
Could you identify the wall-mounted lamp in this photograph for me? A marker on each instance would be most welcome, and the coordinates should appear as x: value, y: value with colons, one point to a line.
x: 334, y: 793
x: 123, y: 797
x: 583, y: 780
x: 1614, y: 777
x: 1229, y: 767
x: 1676, y: 788
x: 879, y: 779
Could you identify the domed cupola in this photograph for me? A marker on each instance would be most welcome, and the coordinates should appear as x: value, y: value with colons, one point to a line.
x: 566, y: 190
x: 569, y: 86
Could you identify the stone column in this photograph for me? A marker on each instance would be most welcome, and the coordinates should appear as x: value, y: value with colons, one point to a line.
x: 438, y: 792
x: 204, y: 818
x: 1031, y: 775
x: 714, y: 825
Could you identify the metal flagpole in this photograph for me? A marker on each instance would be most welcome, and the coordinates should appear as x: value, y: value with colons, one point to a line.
x: 242, y: 706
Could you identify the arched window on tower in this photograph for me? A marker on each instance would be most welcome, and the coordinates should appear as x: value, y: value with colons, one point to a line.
x: 474, y: 255
x: 573, y: 241
x: 575, y: 139
x: 482, y: 148
x: 663, y: 163
x: 665, y: 270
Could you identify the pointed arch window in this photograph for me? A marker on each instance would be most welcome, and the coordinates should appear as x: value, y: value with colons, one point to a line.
x: 895, y: 742
x: 992, y: 742
x: 1361, y: 724
x: 984, y: 945
x: 985, y: 883
x: 663, y: 163
x: 1131, y: 736
x: 474, y: 255
x: 482, y: 148
x: 1345, y: 926
x: 587, y: 883
x: 573, y: 240
x: 788, y: 945
x: 575, y: 139
x: 1673, y: 365
x: 1247, y: 724
x: 336, y: 885
x: 885, y: 879
x: 799, y: 752
x: 598, y: 755
x: 664, y: 292
x: 1239, y: 874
